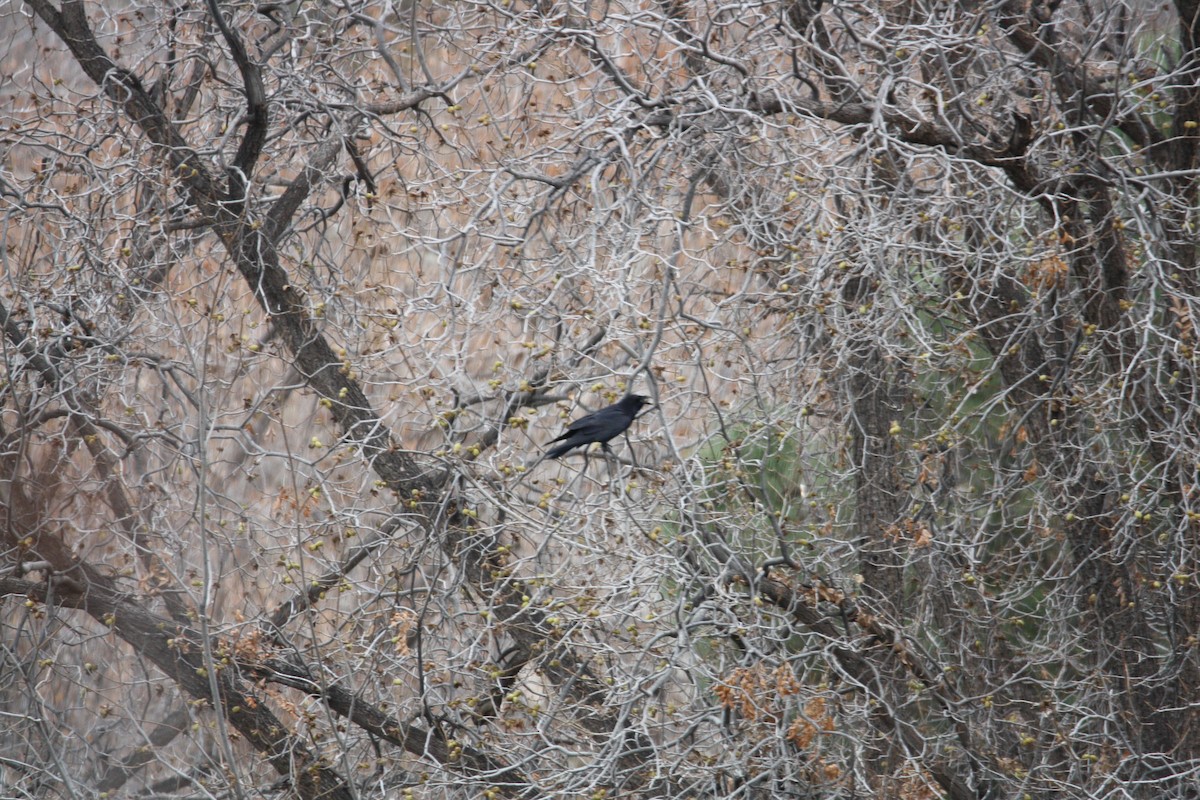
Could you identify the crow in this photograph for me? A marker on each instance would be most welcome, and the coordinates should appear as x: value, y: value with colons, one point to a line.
x: 599, y: 426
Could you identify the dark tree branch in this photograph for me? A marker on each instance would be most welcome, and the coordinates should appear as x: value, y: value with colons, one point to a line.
x: 1075, y: 86
x: 87, y: 427
x: 178, y: 652
x: 126, y: 90
x: 256, y: 112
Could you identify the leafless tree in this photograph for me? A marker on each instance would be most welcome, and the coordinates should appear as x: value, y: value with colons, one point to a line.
x: 294, y: 293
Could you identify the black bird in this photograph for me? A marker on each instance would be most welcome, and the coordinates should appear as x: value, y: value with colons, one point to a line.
x: 599, y: 426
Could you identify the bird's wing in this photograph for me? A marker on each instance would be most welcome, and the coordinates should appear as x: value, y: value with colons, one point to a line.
x: 571, y: 430
x: 582, y: 424
x: 596, y: 423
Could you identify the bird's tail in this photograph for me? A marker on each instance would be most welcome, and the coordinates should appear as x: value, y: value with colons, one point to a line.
x: 555, y: 452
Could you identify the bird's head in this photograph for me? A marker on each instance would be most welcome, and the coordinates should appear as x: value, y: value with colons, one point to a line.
x: 634, y: 402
